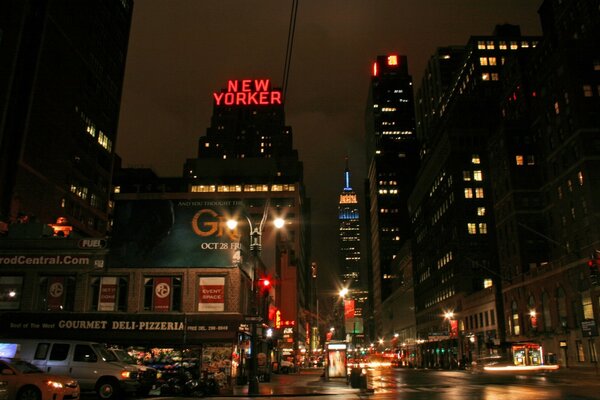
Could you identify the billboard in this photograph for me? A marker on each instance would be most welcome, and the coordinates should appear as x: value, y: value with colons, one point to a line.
x: 175, y: 233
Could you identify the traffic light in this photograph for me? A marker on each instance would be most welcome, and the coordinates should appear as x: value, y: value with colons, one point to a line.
x: 594, y: 267
x: 264, y: 286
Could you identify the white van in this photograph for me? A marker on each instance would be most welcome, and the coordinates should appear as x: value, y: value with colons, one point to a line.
x: 90, y: 363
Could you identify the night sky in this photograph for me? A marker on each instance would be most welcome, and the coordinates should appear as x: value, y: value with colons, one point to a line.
x: 181, y: 51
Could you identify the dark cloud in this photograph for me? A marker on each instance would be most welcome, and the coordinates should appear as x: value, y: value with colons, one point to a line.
x: 183, y: 50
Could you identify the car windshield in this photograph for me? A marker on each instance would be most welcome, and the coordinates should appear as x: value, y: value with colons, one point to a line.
x: 105, y: 354
x: 24, y: 367
x: 122, y: 355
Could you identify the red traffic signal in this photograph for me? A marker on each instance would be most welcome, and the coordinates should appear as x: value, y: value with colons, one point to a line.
x: 594, y: 267
x: 265, y: 283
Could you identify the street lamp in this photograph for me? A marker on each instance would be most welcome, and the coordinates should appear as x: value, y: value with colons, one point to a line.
x: 255, y: 249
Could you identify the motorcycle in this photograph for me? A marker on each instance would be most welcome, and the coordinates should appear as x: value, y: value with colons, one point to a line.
x: 183, y: 383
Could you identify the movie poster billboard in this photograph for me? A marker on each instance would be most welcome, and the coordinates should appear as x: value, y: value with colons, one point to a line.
x: 176, y: 233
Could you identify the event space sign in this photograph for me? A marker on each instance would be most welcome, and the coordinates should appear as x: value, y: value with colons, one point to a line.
x: 175, y: 233
x: 248, y: 92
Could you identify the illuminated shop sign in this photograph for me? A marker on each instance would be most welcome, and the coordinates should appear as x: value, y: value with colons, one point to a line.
x: 110, y: 326
x: 50, y: 259
x: 248, y: 92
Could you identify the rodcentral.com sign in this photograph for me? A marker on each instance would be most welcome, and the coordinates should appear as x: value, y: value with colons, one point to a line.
x: 44, y: 260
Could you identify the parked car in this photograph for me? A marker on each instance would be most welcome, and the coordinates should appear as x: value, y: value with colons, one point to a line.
x: 89, y: 363
x: 286, y: 366
x: 146, y: 375
x: 25, y: 381
x: 3, y: 390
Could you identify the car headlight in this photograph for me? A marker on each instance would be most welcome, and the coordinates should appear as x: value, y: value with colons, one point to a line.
x: 54, y: 384
x: 128, y: 374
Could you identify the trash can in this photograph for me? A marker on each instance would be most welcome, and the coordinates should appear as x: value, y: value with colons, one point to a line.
x: 355, y: 375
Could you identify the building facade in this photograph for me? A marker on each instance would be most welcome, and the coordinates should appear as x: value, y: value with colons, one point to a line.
x: 546, y: 196
x: 61, y: 79
x: 454, y: 244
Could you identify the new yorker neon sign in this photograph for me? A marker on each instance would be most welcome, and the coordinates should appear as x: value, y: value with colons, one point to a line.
x: 248, y: 92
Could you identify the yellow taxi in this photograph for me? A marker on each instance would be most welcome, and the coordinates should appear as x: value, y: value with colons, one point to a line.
x: 24, y: 381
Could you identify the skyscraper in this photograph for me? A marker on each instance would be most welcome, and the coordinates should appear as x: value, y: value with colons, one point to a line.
x: 350, y: 258
x: 61, y: 75
x: 454, y: 248
x: 393, y: 163
x: 349, y: 234
x: 247, y: 153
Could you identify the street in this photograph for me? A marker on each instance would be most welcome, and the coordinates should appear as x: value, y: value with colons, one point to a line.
x: 426, y: 384
x: 434, y: 384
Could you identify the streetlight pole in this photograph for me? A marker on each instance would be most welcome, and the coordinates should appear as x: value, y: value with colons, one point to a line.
x: 255, y: 249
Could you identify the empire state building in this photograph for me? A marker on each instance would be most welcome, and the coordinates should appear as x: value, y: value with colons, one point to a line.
x: 349, y: 233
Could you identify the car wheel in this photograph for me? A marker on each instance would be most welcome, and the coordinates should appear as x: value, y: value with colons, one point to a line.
x: 29, y: 393
x: 108, y: 389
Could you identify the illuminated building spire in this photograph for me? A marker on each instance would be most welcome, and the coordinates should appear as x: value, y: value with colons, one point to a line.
x: 347, y: 186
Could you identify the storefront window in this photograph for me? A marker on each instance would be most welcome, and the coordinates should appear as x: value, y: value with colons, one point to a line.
x: 11, y: 290
x: 580, y: 351
x: 109, y: 293
x: 561, y: 301
x: 162, y: 294
x: 546, y: 312
x: 57, y: 293
x: 515, y: 319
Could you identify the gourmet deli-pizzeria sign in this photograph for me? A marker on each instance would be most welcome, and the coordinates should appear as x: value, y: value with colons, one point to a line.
x: 248, y: 92
x: 113, y: 327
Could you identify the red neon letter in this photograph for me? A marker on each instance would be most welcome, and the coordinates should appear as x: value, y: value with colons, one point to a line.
x: 232, y: 86
x: 240, y: 98
x: 246, y: 85
x: 218, y: 97
x: 275, y: 97
x: 261, y: 85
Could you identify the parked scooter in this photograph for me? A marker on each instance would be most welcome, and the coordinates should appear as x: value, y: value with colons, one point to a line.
x: 183, y: 383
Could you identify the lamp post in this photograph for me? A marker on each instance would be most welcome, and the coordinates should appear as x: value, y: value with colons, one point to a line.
x: 449, y: 316
x: 255, y: 249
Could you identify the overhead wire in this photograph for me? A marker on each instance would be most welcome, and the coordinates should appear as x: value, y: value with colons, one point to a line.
x: 289, y: 48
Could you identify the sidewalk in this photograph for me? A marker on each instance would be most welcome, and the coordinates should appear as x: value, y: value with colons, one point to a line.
x: 303, y: 383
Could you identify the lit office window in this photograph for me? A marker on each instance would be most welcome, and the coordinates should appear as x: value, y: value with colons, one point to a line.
x: 203, y: 188
x: 502, y: 45
x: 519, y: 159
x: 482, y: 228
x: 481, y: 211
x: 475, y: 159
x: 479, y: 193
x: 468, y: 193
x: 587, y: 91
x: 481, y: 45
x: 490, y: 45
x: 477, y: 175
x: 466, y: 175
x: 485, y: 76
x: 472, y: 228
x: 580, y: 178
x: 495, y: 76
x: 483, y: 61
x: 530, y: 159
x: 556, y: 108
x: 492, y: 60
x: 514, y: 46
x: 487, y: 283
